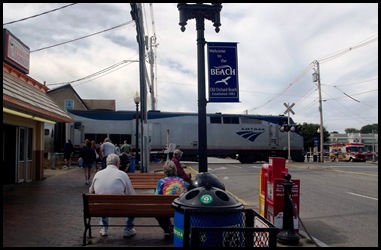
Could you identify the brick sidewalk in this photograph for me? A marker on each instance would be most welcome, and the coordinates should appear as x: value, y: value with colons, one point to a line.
x: 49, y: 213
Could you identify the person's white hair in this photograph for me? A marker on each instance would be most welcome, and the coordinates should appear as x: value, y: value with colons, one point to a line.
x: 169, y: 168
x: 112, y: 159
x: 177, y: 152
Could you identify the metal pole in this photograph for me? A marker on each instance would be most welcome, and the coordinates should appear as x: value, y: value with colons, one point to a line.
x: 136, y: 14
x: 321, y: 113
x: 200, y: 11
x: 137, y: 139
x: 373, y: 148
x: 289, y: 135
x: 202, y: 133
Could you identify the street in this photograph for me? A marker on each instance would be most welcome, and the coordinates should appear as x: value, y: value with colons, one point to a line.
x: 338, y: 201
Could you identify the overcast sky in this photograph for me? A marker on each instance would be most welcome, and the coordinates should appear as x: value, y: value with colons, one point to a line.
x: 276, y: 44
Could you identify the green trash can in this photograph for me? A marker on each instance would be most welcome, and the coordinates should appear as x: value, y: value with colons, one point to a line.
x: 205, y: 206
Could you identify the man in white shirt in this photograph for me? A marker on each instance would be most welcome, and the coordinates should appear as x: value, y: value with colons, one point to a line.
x: 113, y: 181
x: 106, y: 148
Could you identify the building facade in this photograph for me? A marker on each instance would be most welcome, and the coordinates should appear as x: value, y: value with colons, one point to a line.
x: 26, y: 108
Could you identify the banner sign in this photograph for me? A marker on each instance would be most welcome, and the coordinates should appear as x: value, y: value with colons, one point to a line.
x: 223, y: 72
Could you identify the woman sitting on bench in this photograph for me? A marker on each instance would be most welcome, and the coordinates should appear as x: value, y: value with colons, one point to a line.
x: 170, y: 185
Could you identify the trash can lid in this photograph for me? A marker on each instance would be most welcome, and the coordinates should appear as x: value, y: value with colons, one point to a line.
x: 202, y: 179
x: 206, y: 197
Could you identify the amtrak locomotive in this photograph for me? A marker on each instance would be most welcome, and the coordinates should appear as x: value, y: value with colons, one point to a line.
x: 248, y: 138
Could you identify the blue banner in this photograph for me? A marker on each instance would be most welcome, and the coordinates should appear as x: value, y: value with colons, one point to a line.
x: 316, y: 141
x: 223, y: 72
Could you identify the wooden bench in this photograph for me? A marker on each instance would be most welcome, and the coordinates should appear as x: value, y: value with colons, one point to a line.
x: 145, y: 180
x: 121, y: 205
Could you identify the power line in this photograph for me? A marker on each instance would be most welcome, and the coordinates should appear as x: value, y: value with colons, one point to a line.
x: 284, y: 90
x: 26, y: 18
x: 103, y: 71
x: 324, y: 59
x: 342, y: 52
x: 96, y: 33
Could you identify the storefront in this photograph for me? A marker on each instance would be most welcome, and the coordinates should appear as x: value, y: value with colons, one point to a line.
x: 26, y: 108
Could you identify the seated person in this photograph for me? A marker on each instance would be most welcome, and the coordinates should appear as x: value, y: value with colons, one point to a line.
x: 170, y: 185
x: 124, y: 162
x: 112, y: 181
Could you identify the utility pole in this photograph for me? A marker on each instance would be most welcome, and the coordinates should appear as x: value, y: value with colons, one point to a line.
x: 316, y: 78
x: 136, y: 14
x: 151, y: 60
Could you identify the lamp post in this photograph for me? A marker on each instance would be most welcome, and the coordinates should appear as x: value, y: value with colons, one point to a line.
x: 137, y: 100
x: 200, y: 11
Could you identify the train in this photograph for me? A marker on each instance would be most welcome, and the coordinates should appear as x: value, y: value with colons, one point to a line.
x: 245, y: 137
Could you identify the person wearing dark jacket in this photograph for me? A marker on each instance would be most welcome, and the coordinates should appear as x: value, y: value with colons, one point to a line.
x: 124, y: 162
x: 68, y: 150
x: 88, y: 155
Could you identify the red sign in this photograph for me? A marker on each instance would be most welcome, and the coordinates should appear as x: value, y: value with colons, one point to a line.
x: 16, y: 52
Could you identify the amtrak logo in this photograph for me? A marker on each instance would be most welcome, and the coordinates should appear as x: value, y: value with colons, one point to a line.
x: 249, y: 135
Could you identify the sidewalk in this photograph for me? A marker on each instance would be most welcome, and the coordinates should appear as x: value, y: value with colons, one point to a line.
x: 49, y: 213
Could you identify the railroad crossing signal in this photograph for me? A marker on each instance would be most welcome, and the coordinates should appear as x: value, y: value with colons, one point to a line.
x: 289, y: 127
x: 289, y: 108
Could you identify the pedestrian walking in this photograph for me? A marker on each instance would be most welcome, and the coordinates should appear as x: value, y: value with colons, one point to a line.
x: 106, y: 148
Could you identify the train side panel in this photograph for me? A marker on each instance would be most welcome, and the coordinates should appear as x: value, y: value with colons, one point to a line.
x: 248, y: 138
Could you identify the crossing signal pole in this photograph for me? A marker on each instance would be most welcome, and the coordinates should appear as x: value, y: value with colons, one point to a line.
x: 288, y: 110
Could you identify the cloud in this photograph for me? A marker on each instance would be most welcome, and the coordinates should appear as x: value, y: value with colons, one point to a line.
x: 277, y: 44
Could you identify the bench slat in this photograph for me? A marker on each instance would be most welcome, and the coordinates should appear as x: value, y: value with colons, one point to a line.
x: 145, y: 180
x: 131, y: 210
x: 146, y: 175
x: 129, y: 198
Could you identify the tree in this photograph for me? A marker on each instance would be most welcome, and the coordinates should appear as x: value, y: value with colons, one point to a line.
x: 351, y: 130
x: 369, y: 129
x: 309, y: 131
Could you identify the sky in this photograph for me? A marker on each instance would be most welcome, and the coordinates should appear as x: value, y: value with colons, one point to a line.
x: 93, y: 47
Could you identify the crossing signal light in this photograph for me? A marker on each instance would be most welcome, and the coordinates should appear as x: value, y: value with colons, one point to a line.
x: 284, y: 128
x: 298, y: 128
x: 290, y: 127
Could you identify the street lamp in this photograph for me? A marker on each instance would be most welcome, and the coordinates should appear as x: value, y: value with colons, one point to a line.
x: 200, y: 11
x: 137, y: 100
